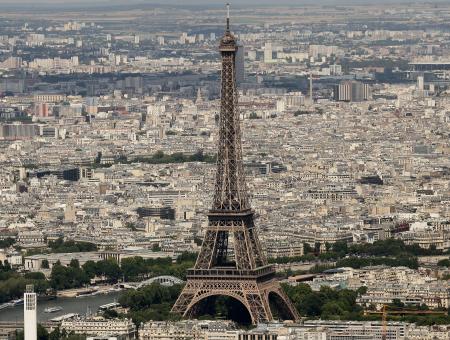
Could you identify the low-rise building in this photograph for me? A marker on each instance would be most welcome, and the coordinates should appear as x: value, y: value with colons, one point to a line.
x: 34, y: 262
x: 124, y: 328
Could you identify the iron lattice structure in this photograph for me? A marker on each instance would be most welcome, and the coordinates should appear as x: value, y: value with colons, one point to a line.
x: 231, y: 261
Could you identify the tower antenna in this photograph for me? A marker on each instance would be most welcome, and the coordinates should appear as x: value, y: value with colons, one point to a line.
x: 228, y: 16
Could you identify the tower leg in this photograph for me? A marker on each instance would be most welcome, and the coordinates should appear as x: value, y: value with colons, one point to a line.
x: 253, y: 296
x: 286, y: 304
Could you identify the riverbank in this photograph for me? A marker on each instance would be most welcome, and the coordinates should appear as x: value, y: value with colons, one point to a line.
x: 88, y: 291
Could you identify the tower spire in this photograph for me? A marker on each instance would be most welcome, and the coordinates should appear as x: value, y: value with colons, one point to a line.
x: 228, y: 17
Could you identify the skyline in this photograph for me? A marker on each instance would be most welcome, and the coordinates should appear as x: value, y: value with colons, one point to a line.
x: 295, y: 167
x: 206, y: 3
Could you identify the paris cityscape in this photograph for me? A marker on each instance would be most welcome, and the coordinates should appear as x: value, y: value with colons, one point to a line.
x: 257, y: 170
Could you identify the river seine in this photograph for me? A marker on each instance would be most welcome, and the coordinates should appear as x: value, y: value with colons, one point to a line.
x: 80, y: 305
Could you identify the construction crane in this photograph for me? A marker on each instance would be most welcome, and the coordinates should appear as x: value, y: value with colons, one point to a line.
x: 384, y: 314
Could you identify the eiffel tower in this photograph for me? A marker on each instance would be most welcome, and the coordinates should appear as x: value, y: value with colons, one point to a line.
x: 231, y: 261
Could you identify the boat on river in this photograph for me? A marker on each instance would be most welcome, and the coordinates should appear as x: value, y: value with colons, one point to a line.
x: 53, y: 309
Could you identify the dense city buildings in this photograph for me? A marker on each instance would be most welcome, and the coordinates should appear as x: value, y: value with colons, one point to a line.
x: 109, y: 129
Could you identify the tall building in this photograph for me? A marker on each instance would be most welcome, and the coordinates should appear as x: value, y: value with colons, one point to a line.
x: 294, y: 100
x: 18, y: 131
x: 91, y: 105
x: 351, y: 91
x: 15, y: 85
x: 240, y: 63
x: 41, y: 109
x: 29, y: 313
x: 231, y: 261
x: 420, y: 83
x: 268, y: 53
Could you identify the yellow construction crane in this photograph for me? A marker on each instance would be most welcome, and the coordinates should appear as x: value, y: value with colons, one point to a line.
x: 384, y: 313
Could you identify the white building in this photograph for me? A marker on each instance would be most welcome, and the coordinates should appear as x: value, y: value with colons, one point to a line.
x: 29, y: 314
x: 268, y: 53
x: 100, y: 327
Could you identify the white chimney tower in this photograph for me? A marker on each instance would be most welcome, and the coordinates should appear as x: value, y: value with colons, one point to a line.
x: 29, y: 313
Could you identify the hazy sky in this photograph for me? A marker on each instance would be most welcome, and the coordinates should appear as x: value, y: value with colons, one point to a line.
x: 59, y: 5
x: 201, y: 2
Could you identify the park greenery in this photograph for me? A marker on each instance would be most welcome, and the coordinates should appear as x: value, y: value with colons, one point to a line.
x: 61, y: 246
x: 130, y: 269
x: 444, y: 263
x: 137, y: 268
x: 160, y: 157
x: 12, y: 284
x: 7, y: 242
x: 390, y: 252
x: 341, y: 304
x: 359, y: 262
x: 152, y: 302
x: 326, y: 303
x: 253, y: 115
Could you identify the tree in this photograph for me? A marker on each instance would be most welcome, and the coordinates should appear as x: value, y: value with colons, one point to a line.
x: 361, y: 290
x: 340, y: 247
x: 131, y: 226
x: 158, y: 154
x: 55, y: 334
x: 332, y: 311
x: 156, y: 247
x: 444, y: 263
x: 397, y: 303
x: 67, y: 277
x: 42, y: 333
x: 74, y: 263
x: 152, y: 302
x: 317, y: 248
x: 110, y: 269
x: 327, y: 303
x: 35, y: 276
x: 8, y: 242
x: 133, y: 267
x: 307, y: 248
x: 61, y: 246
x: 90, y: 268
x: 110, y: 314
